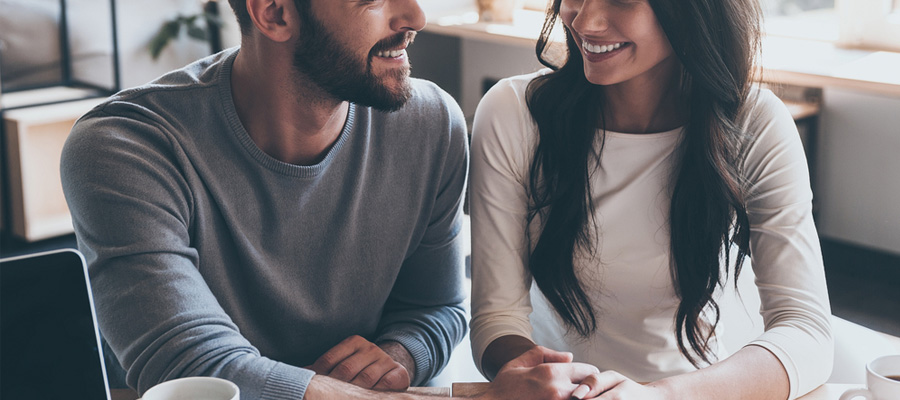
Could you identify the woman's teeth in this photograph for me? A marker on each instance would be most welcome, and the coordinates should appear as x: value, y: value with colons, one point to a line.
x: 591, y: 48
x: 390, y: 53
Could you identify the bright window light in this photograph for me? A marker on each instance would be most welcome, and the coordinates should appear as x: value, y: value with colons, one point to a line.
x: 806, y: 19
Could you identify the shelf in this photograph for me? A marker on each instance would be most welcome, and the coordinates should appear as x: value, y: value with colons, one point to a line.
x: 34, y: 141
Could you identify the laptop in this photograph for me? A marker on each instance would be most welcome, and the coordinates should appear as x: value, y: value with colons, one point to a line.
x: 49, y: 341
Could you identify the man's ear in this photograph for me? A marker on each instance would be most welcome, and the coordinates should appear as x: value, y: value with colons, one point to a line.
x: 276, y: 19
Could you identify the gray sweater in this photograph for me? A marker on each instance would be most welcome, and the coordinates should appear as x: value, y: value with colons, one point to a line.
x: 208, y: 257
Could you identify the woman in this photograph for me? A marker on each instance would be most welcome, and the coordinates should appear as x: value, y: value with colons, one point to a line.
x: 630, y: 184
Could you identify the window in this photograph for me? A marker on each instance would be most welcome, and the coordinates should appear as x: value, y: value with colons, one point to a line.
x: 870, y: 23
x: 850, y: 23
x: 807, y: 19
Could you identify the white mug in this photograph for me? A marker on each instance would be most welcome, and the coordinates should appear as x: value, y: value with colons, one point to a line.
x: 883, y: 378
x: 194, y: 388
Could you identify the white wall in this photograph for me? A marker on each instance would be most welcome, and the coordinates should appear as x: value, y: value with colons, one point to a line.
x: 858, y: 174
x: 859, y: 169
x: 139, y: 20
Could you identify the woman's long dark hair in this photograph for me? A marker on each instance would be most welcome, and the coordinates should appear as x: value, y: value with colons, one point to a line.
x: 716, y: 42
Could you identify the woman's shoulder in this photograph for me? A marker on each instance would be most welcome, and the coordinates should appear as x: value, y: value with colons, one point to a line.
x: 763, y: 103
x: 503, y: 123
x: 766, y: 117
x: 769, y: 130
x: 507, y: 101
x: 512, y: 89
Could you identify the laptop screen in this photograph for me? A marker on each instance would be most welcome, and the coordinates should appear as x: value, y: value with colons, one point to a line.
x: 49, y: 344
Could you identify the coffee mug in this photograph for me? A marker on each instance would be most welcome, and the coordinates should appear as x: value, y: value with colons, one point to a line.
x: 193, y: 388
x: 883, y: 379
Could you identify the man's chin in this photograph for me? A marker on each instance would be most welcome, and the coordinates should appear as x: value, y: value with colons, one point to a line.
x: 390, y: 94
x: 388, y: 101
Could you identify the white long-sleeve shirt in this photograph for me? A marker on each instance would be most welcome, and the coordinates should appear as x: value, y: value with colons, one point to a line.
x: 628, y: 280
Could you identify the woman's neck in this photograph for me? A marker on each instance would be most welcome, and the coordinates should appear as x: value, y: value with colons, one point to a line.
x: 649, y: 103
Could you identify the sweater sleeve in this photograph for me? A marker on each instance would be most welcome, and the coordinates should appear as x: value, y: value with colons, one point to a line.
x: 132, y: 210
x: 424, y: 311
x: 500, y: 278
x: 785, y: 251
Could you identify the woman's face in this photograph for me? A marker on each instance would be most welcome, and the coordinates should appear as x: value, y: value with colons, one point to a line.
x: 620, y: 40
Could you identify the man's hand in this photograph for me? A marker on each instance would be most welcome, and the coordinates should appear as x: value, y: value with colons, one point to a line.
x: 362, y: 363
x: 545, y: 374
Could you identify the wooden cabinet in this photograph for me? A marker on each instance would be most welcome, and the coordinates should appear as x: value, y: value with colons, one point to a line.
x: 34, y: 141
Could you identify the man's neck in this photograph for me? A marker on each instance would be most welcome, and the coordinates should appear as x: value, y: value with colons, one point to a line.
x: 291, y: 121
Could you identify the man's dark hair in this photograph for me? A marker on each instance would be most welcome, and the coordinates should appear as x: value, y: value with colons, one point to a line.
x: 243, y: 17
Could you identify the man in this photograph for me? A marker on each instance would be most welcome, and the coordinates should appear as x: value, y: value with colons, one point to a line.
x: 285, y: 215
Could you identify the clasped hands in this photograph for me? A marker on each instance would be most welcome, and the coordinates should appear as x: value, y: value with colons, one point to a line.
x: 541, y: 373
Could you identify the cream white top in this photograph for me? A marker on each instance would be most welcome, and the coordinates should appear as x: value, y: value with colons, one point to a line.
x: 628, y: 281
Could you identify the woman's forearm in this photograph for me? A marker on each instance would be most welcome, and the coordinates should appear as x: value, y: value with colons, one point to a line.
x: 501, y: 351
x: 753, y: 373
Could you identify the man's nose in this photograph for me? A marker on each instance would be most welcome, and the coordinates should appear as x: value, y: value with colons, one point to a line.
x: 408, y: 16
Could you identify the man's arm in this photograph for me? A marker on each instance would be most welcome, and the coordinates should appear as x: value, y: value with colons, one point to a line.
x: 424, y: 311
x: 132, y: 207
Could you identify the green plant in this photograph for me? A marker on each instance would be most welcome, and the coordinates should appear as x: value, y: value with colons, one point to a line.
x: 206, y: 32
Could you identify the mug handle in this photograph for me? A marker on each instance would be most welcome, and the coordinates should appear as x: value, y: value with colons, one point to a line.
x: 853, y: 393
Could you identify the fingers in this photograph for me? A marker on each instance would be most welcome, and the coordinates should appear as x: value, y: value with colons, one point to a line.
x: 581, y: 391
x: 337, y: 354
x: 362, y: 363
x: 396, y: 380
x: 539, y: 355
x: 595, y: 384
x: 553, y: 356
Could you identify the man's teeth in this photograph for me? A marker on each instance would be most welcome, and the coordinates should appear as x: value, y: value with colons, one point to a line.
x: 391, y: 53
x: 591, y: 48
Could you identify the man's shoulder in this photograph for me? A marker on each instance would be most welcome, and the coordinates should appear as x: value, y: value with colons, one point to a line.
x: 179, y: 86
x: 427, y: 93
x: 428, y: 106
x: 184, y: 94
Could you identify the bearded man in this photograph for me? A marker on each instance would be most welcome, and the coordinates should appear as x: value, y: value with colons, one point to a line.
x: 286, y: 214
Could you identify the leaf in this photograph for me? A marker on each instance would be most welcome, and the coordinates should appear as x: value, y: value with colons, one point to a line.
x: 197, y: 32
x: 166, y: 33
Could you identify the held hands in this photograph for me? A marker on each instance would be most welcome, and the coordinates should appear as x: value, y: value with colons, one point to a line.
x: 541, y: 373
x: 362, y: 363
x: 611, y: 385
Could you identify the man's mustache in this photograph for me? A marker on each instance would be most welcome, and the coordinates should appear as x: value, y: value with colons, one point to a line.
x: 394, y: 41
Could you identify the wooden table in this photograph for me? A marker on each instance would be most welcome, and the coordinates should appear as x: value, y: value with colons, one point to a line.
x: 830, y: 391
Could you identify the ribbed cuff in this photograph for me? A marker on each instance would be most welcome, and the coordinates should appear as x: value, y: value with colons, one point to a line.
x: 286, y: 383
x: 419, y: 352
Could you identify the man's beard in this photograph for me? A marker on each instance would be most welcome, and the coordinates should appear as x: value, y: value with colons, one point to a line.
x: 340, y: 73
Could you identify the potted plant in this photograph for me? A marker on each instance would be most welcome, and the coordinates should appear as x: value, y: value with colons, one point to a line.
x: 204, y: 26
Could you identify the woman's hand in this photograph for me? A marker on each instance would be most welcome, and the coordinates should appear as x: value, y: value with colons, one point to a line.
x: 612, y: 385
x: 543, y: 374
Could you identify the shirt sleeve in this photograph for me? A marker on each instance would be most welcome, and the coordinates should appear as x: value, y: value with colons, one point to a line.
x: 132, y: 210
x: 424, y: 311
x: 500, y: 278
x: 785, y: 250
